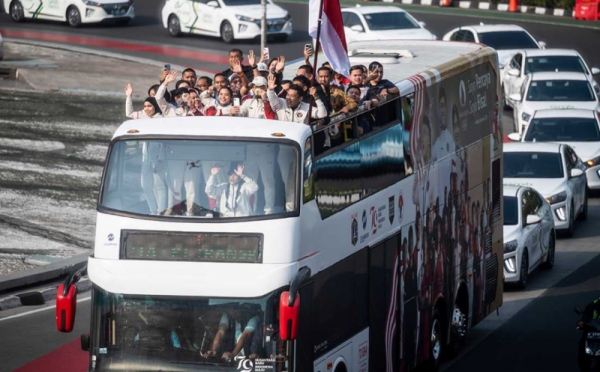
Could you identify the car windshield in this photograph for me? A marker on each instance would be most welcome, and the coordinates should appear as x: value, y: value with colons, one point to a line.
x: 500, y: 40
x: 160, y: 333
x: 390, y: 21
x: 201, y: 178
x: 241, y: 2
x: 511, y: 211
x: 532, y: 165
x: 560, y: 90
x: 554, y: 64
x: 563, y: 130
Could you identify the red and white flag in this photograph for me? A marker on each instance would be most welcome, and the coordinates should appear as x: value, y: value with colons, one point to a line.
x: 333, y: 40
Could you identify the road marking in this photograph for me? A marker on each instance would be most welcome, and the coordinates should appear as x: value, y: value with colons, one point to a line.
x: 38, y: 310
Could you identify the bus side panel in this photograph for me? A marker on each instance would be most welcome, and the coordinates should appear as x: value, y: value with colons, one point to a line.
x: 384, y: 288
x: 304, y: 345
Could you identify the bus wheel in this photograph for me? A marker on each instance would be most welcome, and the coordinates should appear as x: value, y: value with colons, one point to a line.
x: 436, y: 342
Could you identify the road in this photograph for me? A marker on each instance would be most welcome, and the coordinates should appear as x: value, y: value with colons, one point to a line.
x: 535, y: 329
x: 147, y: 30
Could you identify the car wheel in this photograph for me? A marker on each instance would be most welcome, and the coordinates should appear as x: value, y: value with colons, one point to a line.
x: 73, y: 17
x: 584, y: 210
x: 227, y: 32
x: 549, y: 263
x: 436, y: 342
x: 571, y: 230
x: 174, y: 27
x: 123, y: 22
x: 523, y: 271
x: 16, y: 11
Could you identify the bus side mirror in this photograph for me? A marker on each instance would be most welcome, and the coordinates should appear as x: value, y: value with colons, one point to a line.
x: 85, y: 342
x: 288, y: 316
x: 66, y: 306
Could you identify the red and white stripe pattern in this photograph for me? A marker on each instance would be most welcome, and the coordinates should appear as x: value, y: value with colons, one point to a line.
x: 390, y: 328
x: 333, y: 38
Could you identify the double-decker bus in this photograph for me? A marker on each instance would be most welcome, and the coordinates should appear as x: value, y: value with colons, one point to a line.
x: 237, y: 244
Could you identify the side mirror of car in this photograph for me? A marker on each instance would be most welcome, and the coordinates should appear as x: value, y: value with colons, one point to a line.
x: 578, y: 311
x: 514, y: 137
x: 514, y: 72
x: 423, y: 24
x: 213, y: 4
x: 357, y: 28
x: 542, y: 44
x: 516, y: 97
x: 595, y: 70
x: 576, y: 172
x: 532, y: 219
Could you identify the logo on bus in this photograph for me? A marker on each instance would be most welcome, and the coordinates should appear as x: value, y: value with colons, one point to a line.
x: 354, y: 228
x: 374, y: 220
x: 400, y: 206
x: 391, y: 209
x: 364, y: 219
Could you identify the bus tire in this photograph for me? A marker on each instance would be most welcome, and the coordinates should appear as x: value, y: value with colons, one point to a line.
x: 436, y: 342
x: 458, y: 325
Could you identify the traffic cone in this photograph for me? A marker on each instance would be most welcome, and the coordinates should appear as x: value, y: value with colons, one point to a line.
x: 513, y: 6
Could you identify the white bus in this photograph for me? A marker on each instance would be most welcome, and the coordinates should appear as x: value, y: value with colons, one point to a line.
x: 245, y: 245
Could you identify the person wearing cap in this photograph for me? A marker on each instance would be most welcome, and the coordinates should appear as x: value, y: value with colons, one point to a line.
x: 151, y: 109
x: 258, y: 107
x: 234, y: 195
x: 181, y: 107
x: 292, y: 108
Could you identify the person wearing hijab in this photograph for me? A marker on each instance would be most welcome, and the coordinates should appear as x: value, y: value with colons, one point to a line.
x: 151, y: 109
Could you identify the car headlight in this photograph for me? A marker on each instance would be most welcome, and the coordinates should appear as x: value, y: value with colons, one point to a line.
x: 91, y: 3
x: 246, y: 19
x: 510, y: 246
x: 592, y: 162
x: 525, y: 116
x: 557, y: 198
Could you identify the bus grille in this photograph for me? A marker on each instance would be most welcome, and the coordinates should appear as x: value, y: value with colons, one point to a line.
x: 491, y: 278
x: 496, y: 189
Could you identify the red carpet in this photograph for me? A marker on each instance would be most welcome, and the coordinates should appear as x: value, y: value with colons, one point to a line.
x: 67, y: 358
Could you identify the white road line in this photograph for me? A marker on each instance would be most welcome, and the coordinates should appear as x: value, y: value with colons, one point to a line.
x: 38, y: 310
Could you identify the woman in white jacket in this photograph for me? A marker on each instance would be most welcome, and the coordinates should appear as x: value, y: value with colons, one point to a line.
x: 151, y: 109
x: 222, y: 105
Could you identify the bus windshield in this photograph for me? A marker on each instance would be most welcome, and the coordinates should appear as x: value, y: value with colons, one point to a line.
x: 159, y: 333
x: 201, y: 178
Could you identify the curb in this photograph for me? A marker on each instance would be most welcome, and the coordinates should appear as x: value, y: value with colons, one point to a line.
x: 42, y: 274
x: 558, y: 12
x: 40, y: 296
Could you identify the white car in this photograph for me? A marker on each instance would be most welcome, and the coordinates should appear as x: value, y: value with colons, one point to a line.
x: 530, y: 61
x: 555, y: 171
x: 228, y: 19
x: 580, y: 129
x: 506, y: 39
x: 529, y: 235
x: 382, y: 23
x: 551, y: 90
x: 74, y: 12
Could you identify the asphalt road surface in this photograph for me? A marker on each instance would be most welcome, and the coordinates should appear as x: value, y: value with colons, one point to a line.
x: 147, y: 29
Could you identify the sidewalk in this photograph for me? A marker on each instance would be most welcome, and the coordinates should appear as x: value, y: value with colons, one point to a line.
x: 56, y: 68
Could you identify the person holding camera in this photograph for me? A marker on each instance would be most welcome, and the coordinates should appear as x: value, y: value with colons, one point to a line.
x: 181, y: 95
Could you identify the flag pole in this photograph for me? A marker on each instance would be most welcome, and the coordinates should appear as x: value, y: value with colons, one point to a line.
x: 317, y: 47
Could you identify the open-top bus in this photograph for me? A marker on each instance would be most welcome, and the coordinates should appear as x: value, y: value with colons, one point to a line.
x: 244, y: 244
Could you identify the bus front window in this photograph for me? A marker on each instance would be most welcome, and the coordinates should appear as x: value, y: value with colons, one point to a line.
x: 201, y: 178
x: 158, y: 333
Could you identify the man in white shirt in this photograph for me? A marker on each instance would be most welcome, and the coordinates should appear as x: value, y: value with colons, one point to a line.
x: 233, y: 197
x: 241, y: 333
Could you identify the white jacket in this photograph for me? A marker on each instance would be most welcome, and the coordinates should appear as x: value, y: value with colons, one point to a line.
x: 253, y: 108
x: 168, y: 109
x: 297, y: 115
x: 233, y: 201
x: 137, y: 114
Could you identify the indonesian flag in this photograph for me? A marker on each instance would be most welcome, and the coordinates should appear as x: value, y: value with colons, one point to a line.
x: 333, y: 40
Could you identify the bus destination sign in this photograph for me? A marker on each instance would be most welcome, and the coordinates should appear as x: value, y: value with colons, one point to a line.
x: 191, y: 247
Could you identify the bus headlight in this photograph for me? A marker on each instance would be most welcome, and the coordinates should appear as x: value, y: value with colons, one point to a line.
x: 557, y: 198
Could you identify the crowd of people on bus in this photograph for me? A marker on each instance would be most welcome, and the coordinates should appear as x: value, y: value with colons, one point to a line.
x: 255, y: 88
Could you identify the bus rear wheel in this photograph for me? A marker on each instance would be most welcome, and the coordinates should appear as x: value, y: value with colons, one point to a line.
x: 436, y: 342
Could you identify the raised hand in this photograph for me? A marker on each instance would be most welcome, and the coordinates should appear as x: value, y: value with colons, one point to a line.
x: 251, y: 58
x: 171, y: 77
x: 263, y: 57
x: 234, y: 110
x: 280, y: 64
x: 240, y: 170
x: 128, y: 90
x: 213, y: 172
x: 313, y: 92
x: 272, y: 82
x: 236, y: 67
x: 308, y: 52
